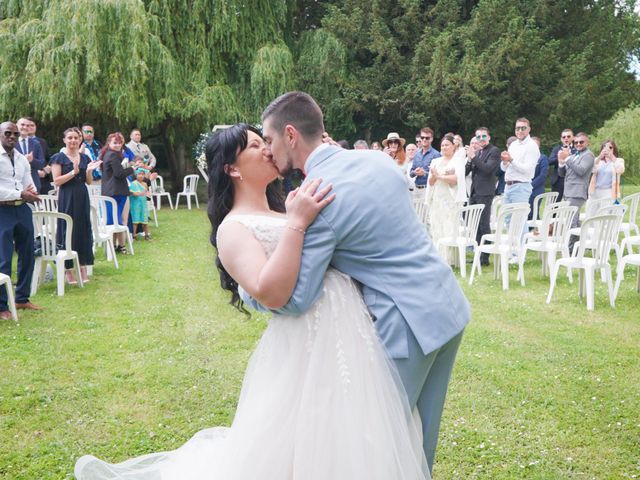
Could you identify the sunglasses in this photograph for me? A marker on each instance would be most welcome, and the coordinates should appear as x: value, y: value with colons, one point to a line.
x: 482, y: 137
x: 8, y: 134
x: 87, y: 131
x: 392, y: 141
x: 426, y: 138
x: 522, y: 129
x: 580, y: 142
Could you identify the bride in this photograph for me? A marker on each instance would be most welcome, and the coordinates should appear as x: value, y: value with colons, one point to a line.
x: 320, y: 399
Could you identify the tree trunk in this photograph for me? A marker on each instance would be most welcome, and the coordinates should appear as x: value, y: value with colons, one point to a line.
x: 177, y: 160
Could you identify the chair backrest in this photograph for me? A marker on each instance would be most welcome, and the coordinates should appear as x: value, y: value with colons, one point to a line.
x: 157, y: 185
x: 190, y: 184
x: 602, y: 231
x: 593, y: 205
x: 422, y: 210
x: 47, y: 203
x: 101, y: 202
x: 495, y: 205
x: 542, y: 201
x: 470, y: 218
x: 632, y: 203
x: 510, y: 224
x: 46, y: 225
x: 53, y: 192
x: 548, y: 217
x: 560, y: 223
x: 94, y: 190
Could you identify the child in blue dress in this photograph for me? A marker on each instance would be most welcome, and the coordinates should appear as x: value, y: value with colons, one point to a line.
x: 138, y: 203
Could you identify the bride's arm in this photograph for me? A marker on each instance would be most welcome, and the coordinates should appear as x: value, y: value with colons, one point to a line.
x: 271, y: 280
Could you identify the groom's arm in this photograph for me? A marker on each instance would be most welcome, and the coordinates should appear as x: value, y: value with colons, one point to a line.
x: 319, y: 245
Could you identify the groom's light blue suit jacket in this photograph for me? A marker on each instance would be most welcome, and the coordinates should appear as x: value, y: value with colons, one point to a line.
x: 371, y: 233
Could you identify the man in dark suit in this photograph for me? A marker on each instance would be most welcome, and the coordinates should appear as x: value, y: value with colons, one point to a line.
x: 557, y: 182
x: 31, y: 149
x: 45, y: 173
x: 483, y: 166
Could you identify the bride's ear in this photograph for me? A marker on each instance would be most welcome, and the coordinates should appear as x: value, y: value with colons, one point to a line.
x: 232, y: 171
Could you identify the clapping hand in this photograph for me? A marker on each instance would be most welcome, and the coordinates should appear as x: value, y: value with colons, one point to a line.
x: 505, y: 157
x: 30, y: 194
x: 93, y: 165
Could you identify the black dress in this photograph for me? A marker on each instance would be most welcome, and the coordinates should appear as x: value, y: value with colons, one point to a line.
x: 73, y: 199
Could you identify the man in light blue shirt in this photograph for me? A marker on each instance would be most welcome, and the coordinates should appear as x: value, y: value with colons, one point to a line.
x: 424, y: 157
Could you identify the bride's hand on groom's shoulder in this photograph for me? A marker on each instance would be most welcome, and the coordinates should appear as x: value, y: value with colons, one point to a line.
x: 305, y: 202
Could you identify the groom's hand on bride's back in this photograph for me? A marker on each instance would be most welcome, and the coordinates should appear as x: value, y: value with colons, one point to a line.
x: 305, y: 202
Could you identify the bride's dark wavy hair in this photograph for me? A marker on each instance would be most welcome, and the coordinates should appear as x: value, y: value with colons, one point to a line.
x: 222, y: 149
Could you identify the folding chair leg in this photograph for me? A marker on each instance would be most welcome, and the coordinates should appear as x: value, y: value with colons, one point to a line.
x: 612, y: 298
x: 76, y: 264
x: 589, y: 280
x: 35, y: 279
x: 552, y: 281
x: 196, y: 198
x: 619, y: 277
x: 463, y: 260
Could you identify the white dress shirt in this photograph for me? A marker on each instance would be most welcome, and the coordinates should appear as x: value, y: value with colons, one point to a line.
x: 524, y: 155
x: 13, y: 178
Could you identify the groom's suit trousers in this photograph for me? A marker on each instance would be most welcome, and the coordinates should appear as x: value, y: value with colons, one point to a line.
x: 426, y: 378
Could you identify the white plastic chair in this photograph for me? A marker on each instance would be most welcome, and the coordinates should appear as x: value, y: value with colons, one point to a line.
x: 5, y: 280
x: 600, y: 229
x: 101, y: 202
x: 553, y: 235
x: 101, y: 237
x: 507, y: 241
x: 46, y: 225
x: 632, y: 259
x: 422, y: 210
x: 610, y: 209
x: 189, y: 189
x: 47, y: 203
x: 94, y: 190
x: 157, y: 192
x: 470, y: 220
x: 151, y: 207
x: 496, y: 203
x: 630, y: 227
x: 540, y: 204
x: 204, y: 173
x: 591, y: 208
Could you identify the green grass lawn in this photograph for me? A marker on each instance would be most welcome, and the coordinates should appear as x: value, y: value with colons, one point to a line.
x: 145, y: 356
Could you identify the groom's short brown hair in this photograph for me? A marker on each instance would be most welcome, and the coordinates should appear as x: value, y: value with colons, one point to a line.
x: 298, y: 109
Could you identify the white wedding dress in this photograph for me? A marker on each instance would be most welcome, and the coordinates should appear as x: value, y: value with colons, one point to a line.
x: 320, y: 400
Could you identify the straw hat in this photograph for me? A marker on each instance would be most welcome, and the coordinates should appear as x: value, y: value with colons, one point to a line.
x: 394, y: 136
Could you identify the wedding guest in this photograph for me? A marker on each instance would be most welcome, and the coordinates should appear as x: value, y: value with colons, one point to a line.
x: 483, y: 166
x: 30, y: 148
x: 376, y: 146
x: 344, y: 144
x: 539, y: 178
x: 139, y: 192
x: 45, y: 173
x: 394, y: 147
x: 566, y: 143
x: 423, y: 158
x: 360, y: 145
x: 114, y: 183
x: 71, y: 171
x: 607, y: 171
x: 576, y: 170
x: 16, y: 221
x: 91, y: 147
x: 445, y: 194
x: 141, y: 149
x: 410, y: 151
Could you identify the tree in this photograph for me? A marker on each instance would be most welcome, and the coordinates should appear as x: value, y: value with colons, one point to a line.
x: 176, y: 67
x: 624, y: 129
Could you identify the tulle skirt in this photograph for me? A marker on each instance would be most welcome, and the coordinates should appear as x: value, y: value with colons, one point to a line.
x: 320, y: 400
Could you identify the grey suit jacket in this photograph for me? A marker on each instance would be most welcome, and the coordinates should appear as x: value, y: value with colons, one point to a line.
x: 143, y: 150
x: 577, y: 173
x: 371, y: 233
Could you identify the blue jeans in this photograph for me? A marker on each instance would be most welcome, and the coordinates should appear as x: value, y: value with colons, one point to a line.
x: 518, y: 193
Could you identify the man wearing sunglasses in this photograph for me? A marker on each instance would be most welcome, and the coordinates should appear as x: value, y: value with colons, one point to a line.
x: 566, y: 143
x: 483, y: 167
x: 424, y: 157
x: 16, y: 222
x: 91, y: 147
x: 576, y: 170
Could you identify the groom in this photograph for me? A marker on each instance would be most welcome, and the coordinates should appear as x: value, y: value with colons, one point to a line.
x: 371, y: 233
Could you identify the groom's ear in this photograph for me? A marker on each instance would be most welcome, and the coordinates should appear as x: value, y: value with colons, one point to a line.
x: 291, y: 135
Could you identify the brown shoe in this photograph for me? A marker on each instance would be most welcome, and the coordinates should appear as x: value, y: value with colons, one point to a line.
x: 5, y: 315
x: 28, y: 306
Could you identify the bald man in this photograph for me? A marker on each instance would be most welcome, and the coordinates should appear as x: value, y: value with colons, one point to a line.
x: 16, y: 223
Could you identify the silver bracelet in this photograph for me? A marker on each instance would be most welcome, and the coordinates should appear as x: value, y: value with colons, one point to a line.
x: 296, y: 229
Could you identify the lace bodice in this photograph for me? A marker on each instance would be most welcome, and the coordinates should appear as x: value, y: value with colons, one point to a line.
x: 266, y: 229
